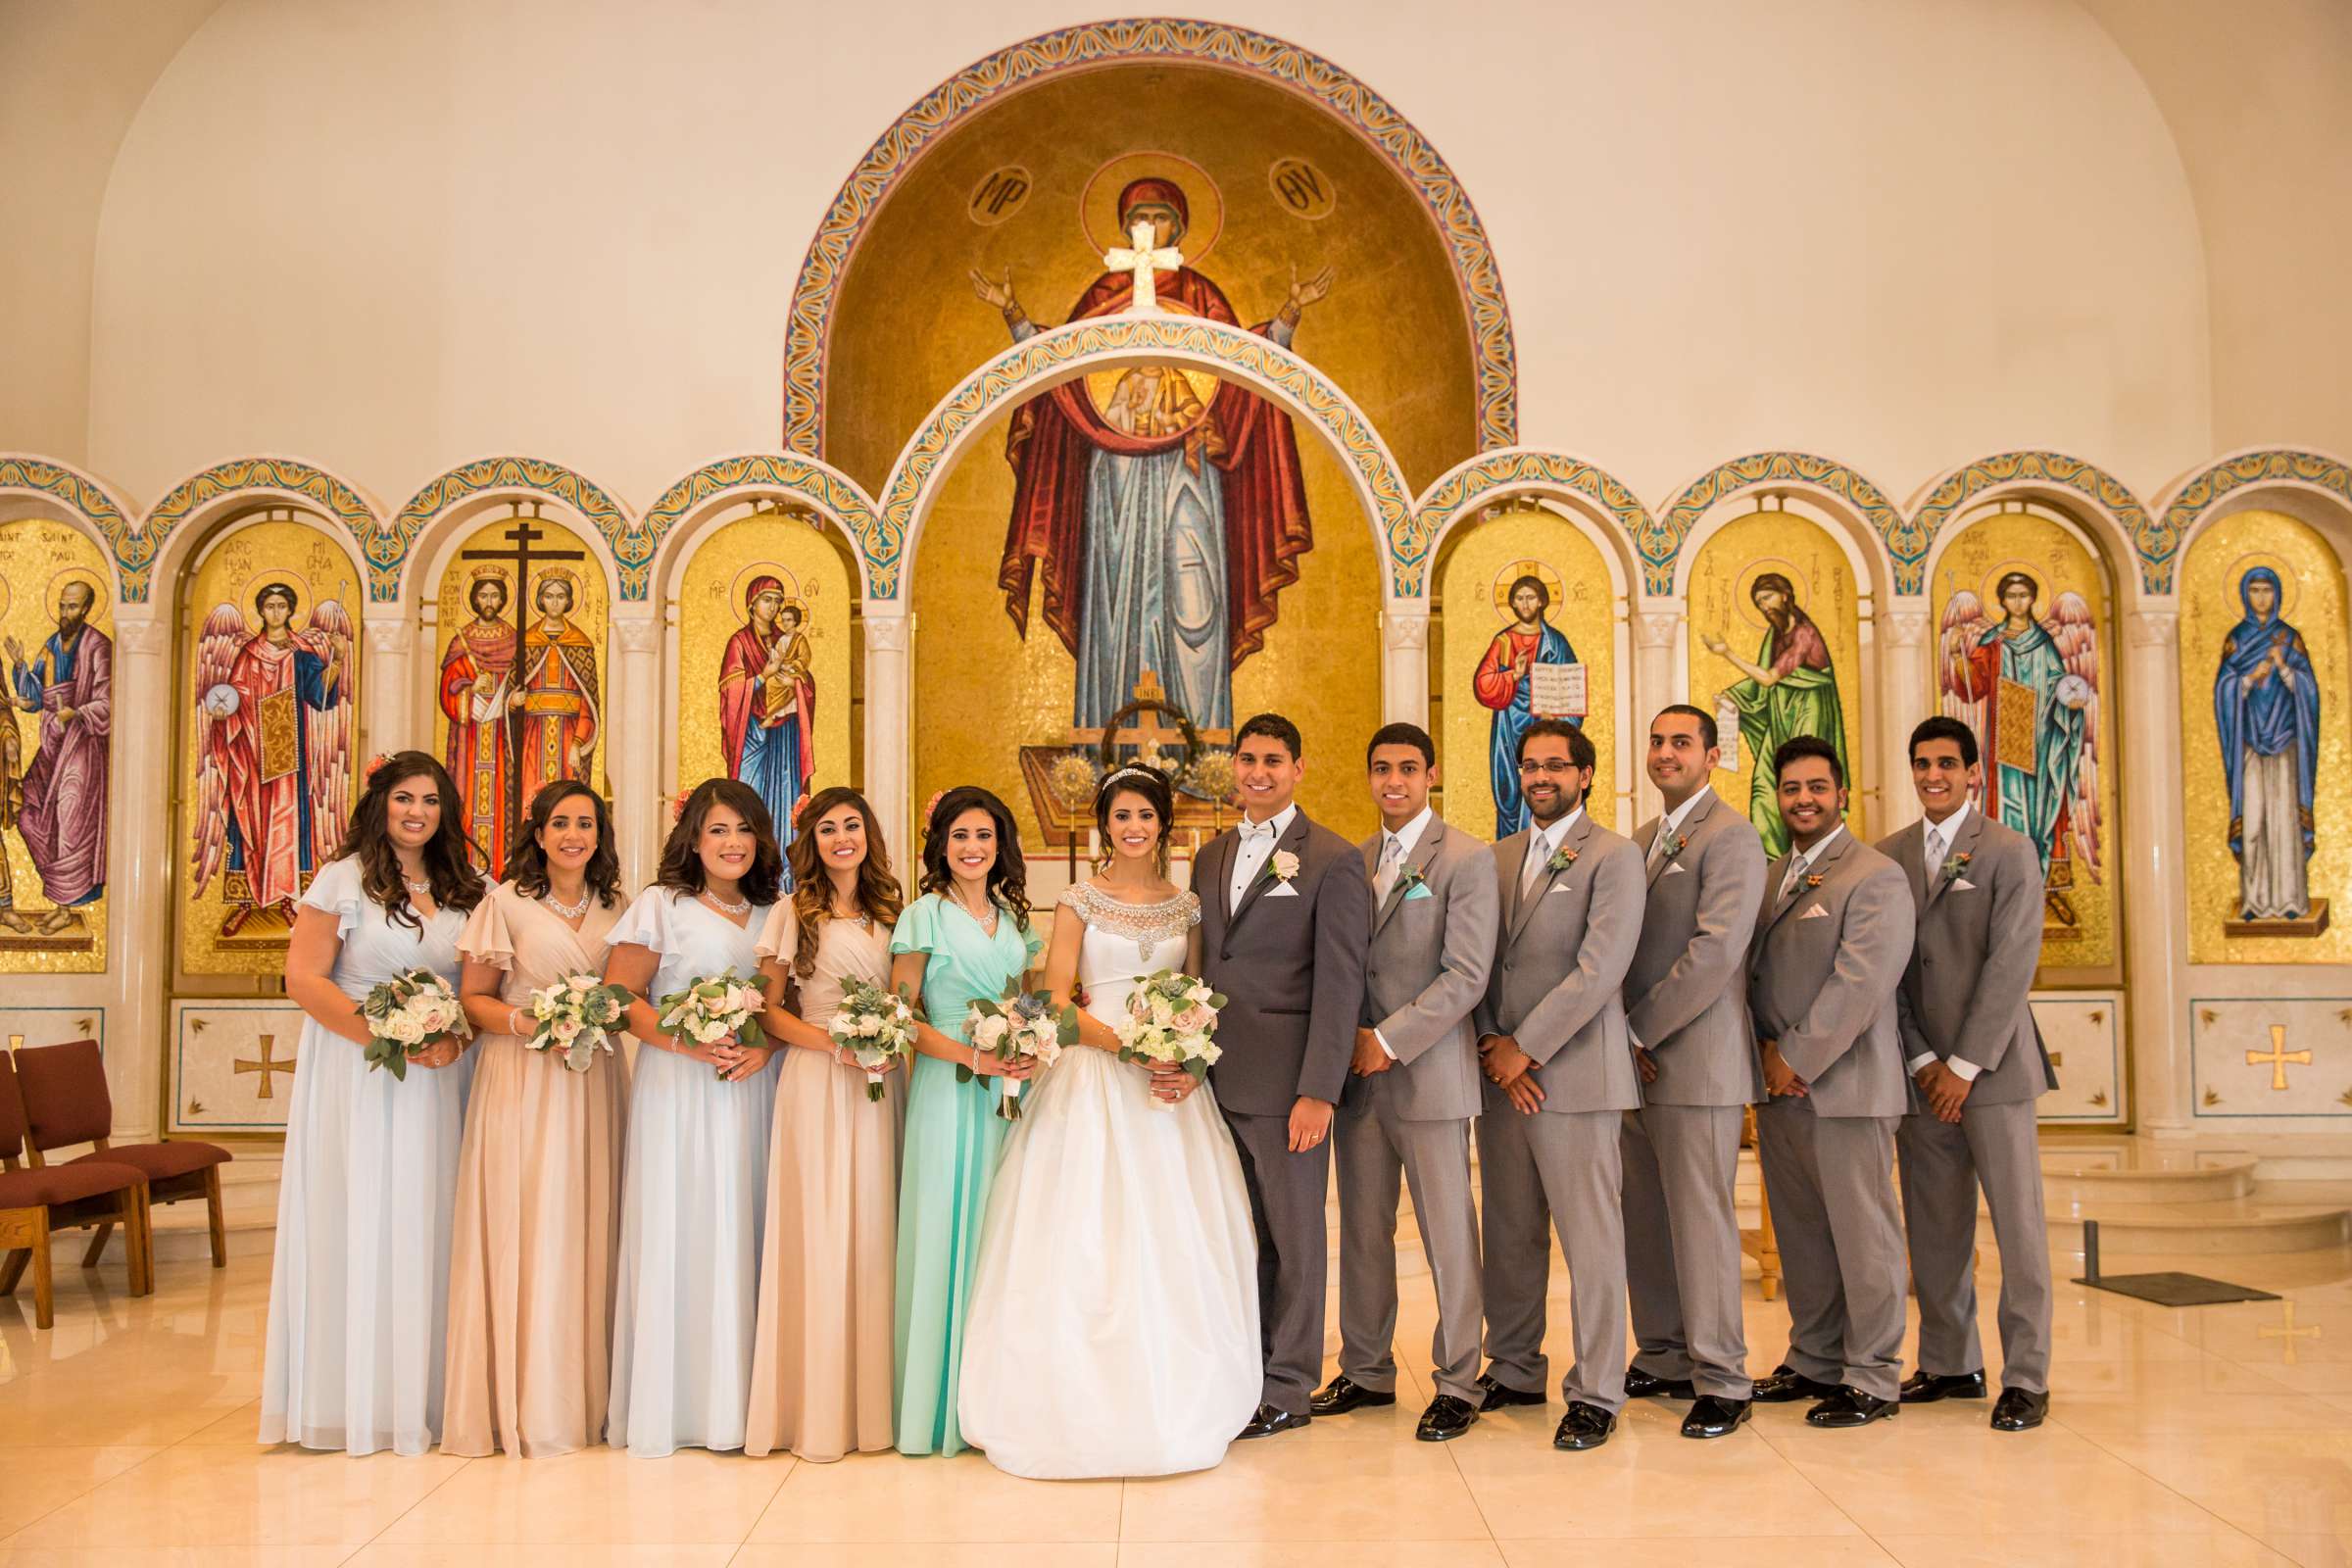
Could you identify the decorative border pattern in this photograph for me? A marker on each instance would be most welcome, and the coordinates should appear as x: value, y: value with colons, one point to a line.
x: 632, y: 549
x: 807, y: 326
x: 290, y: 475
x: 1906, y: 541
x: 1054, y: 355
x: 2096, y: 484
x: 818, y: 484
x: 1521, y: 470
x: 87, y: 500
x: 2160, y: 546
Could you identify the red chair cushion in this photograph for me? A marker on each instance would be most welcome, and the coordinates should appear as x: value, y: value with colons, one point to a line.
x: 64, y: 1088
x: 158, y: 1161
x: 63, y: 1184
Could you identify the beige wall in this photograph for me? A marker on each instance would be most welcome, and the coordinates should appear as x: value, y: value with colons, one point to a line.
x: 389, y: 239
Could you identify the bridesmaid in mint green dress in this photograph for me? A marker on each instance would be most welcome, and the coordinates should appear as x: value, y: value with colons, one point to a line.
x: 967, y: 937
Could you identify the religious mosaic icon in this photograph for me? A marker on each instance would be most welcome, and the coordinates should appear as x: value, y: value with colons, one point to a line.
x: 273, y: 744
x: 55, y: 738
x: 1788, y: 689
x: 767, y: 701
x: 2266, y: 709
x: 1529, y: 672
x: 2028, y: 685
x: 1163, y: 509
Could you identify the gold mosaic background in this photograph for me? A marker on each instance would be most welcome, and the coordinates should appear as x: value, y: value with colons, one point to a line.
x: 294, y: 552
x: 1802, y: 551
x: 1478, y: 569
x: 710, y: 610
x: 42, y: 557
x: 2209, y: 608
x: 1975, y: 561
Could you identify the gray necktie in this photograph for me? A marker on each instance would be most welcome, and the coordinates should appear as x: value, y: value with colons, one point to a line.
x: 1934, y: 850
x: 1390, y: 853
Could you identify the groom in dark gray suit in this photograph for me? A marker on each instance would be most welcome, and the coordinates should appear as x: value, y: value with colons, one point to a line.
x: 1286, y: 916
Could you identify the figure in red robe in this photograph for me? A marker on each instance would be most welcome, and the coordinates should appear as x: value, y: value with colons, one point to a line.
x: 768, y: 704
x: 478, y: 688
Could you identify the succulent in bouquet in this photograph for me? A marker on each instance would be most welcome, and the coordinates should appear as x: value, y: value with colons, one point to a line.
x: 709, y: 1010
x: 579, y: 1015
x: 407, y: 1015
x: 876, y: 1025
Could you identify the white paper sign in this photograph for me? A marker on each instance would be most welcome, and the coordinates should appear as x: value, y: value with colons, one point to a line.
x: 1727, y: 725
x: 1556, y: 690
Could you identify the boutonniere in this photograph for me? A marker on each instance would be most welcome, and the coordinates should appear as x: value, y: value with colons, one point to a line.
x: 1681, y: 842
x: 1282, y: 865
x: 1561, y: 859
x: 1813, y: 879
x: 1410, y: 878
x: 1953, y: 866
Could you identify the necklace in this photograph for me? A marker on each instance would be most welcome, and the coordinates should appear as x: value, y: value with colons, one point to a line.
x: 986, y: 922
x: 426, y: 885
x: 723, y: 906
x: 569, y: 912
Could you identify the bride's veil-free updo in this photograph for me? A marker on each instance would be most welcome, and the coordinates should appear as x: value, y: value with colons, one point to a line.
x: 1137, y: 778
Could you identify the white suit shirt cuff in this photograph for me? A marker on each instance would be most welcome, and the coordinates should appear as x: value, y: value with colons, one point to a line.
x: 1965, y: 1071
x: 1384, y: 1044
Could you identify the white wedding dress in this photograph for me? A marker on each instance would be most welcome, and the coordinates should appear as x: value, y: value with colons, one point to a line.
x: 1114, y: 1325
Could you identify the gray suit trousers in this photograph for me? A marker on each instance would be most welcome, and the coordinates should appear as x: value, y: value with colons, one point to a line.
x: 1554, y: 1167
x: 1286, y: 1193
x: 1377, y: 1147
x: 1682, y: 1246
x: 1831, y: 1183
x: 1941, y: 1166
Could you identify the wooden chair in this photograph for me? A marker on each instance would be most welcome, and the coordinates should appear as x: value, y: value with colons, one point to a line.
x: 70, y: 1196
x: 1760, y: 1243
x: 65, y: 1102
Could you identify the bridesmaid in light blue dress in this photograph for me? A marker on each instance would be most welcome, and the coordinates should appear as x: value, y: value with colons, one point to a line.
x: 968, y: 937
x: 694, y: 1192
x: 359, y: 1293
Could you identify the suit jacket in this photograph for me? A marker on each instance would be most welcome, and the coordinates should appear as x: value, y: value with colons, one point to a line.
x: 1823, y: 969
x: 1972, y: 967
x: 1291, y: 964
x: 1685, y: 996
x: 1433, y: 943
x: 1558, y: 981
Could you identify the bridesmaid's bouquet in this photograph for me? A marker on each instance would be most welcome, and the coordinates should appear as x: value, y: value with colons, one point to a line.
x: 407, y: 1015
x: 1171, y: 1021
x: 579, y: 1015
x: 1025, y: 1023
x: 708, y: 1011
x: 874, y: 1024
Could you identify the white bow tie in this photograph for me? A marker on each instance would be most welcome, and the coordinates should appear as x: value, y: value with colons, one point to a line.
x: 1253, y: 831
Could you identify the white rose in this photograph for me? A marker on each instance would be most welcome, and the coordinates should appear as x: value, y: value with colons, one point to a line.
x: 712, y: 1031
x: 989, y: 1032
x: 568, y: 1030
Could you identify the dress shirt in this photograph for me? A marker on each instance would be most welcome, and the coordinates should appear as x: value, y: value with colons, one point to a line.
x: 1257, y: 847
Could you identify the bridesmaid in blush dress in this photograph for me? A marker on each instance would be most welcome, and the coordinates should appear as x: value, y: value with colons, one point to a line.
x: 359, y: 1286
x: 967, y: 937
x: 695, y: 1191
x: 530, y: 1271
x: 820, y: 1369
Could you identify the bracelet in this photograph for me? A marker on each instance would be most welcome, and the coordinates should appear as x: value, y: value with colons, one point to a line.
x: 513, y: 1028
x: 975, y: 1062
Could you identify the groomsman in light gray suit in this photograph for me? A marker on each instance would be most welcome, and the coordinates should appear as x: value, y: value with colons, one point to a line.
x: 1560, y: 1076
x: 1412, y: 1089
x: 1686, y: 1004
x: 1831, y: 944
x: 1969, y: 1043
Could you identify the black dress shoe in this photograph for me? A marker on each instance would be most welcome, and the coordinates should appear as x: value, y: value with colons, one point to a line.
x: 1715, y: 1416
x: 2019, y: 1410
x: 1445, y: 1419
x: 1585, y: 1426
x: 1268, y: 1421
x: 1787, y: 1384
x: 1849, y: 1406
x: 1926, y: 1388
x: 1641, y: 1385
x: 1344, y: 1393
x: 1495, y: 1395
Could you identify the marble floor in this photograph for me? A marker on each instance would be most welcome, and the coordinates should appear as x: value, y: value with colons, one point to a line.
x: 2215, y: 1435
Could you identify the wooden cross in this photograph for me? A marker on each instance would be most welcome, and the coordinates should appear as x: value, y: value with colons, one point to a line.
x: 2288, y: 1332
x: 268, y: 1067
x: 1138, y: 257
x: 2277, y: 1057
x: 523, y: 537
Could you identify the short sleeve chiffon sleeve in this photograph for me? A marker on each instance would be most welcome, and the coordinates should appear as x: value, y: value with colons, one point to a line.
x: 780, y: 937
x: 488, y: 937
x: 336, y: 891
x: 645, y: 922
x: 918, y: 930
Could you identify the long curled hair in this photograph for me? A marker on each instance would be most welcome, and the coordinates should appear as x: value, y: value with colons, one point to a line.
x: 527, y: 862
x: 1153, y: 785
x: 682, y: 855
x: 879, y: 896
x: 448, y: 861
x: 1007, y: 879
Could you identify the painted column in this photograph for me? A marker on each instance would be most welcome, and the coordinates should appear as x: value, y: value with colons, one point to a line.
x: 139, y: 866
x: 2155, y: 839
x: 1902, y: 675
x: 632, y: 757
x: 1657, y: 629
x: 889, y: 725
x: 1404, y: 663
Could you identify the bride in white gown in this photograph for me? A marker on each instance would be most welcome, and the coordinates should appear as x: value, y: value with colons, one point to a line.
x: 1114, y: 1325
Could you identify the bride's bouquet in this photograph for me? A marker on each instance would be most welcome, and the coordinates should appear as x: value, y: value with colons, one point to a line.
x: 1025, y: 1023
x: 579, y: 1015
x: 874, y: 1024
x: 407, y: 1016
x: 1171, y: 1021
x: 708, y: 1011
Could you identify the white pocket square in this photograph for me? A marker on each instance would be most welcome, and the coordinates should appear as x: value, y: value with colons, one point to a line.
x: 1672, y: 869
x: 1963, y: 885
x: 1817, y: 912
x: 1282, y: 890
x: 1561, y: 887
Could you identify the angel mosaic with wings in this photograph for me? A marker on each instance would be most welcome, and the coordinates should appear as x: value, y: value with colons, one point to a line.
x: 274, y: 737
x: 2028, y: 686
